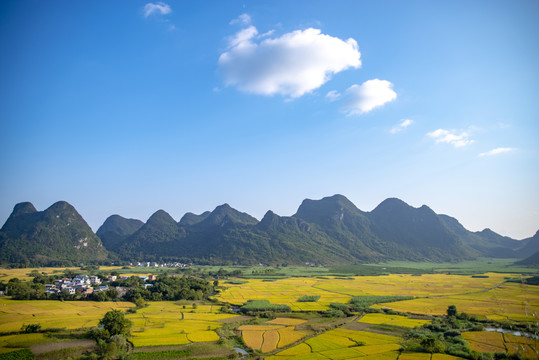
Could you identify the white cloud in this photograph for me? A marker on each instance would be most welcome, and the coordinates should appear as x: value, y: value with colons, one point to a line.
x: 243, y: 19
x: 369, y: 95
x: 451, y: 137
x: 333, y: 95
x: 402, y: 125
x: 266, y: 34
x: 291, y: 65
x: 159, y: 8
x: 497, y: 151
x: 242, y: 38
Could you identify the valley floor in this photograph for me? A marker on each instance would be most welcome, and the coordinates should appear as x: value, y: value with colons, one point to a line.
x: 166, y: 330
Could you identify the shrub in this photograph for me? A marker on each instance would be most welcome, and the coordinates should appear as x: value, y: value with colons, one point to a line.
x: 309, y: 298
x: 31, y: 328
x: 263, y: 305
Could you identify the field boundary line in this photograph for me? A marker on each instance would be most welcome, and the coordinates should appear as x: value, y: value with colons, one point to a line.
x: 308, y: 337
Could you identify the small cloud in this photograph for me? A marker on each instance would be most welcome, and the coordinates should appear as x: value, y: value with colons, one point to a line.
x: 497, y: 151
x: 369, y: 95
x: 451, y: 137
x: 158, y: 8
x: 402, y: 125
x: 333, y: 95
x: 243, y: 19
x: 266, y: 34
x: 292, y: 65
x: 242, y: 37
x: 172, y: 27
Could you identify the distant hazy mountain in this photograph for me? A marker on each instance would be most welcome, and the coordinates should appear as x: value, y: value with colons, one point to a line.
x: 116, y: 229
x: 531, y: 246
x: 56, y: 236
x: 532, y: 260
x: 328, y: 231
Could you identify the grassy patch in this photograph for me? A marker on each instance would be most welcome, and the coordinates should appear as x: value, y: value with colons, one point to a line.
x: 364, y: 301
x: 23, y: 354
x: 263, y: 305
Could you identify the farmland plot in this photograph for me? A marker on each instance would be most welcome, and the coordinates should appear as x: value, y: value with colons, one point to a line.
x: 340, y: 344
x: 166, y: 323
x: 394, y: 320
x: 479, y: 296
x: 489, y: 341
x: 267, y: 338
x: 509, y: 301
x: 54, y: 314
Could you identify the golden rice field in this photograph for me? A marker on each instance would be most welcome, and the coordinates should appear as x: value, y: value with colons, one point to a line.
x: 54, y: 314
x: 267, y: 338
x: 342, y: 344
x: 510, y: 301
x: 478, y: 296
x: 489, y: 341
x: 166, y: 323
x: 395, y: 320
x: 22, y: 274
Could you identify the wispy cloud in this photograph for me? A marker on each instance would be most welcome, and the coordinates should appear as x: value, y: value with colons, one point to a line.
x: 451, y: 137
x: 401, y: 126
x: 333, y: 95
x: 291, y: 65
x: 497, y: 151
x: 367, y: 96
x: 243, y: 19
x: 158, y: 8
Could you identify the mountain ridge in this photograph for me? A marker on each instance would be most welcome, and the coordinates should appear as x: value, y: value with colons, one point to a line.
x: 331, y: 230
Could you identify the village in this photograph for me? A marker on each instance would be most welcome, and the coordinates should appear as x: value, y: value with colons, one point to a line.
x: 87, y: 285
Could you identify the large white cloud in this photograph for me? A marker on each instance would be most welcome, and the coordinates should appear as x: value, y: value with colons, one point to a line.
x: 291, y: 65
x: 367, y: 96
x: 156, y: 8
x: 451, y: 137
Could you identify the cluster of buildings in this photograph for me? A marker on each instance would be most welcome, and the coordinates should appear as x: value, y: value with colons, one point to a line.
x: 165, y: 264
x: 82, y: 284
x: 86, y: 285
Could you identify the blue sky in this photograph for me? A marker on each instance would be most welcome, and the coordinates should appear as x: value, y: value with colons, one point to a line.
x: 127, y: 107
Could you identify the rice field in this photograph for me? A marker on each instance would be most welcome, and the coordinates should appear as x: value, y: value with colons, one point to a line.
x: 167, y: 323
x: 340, y: 344
x: 478, y: 296
x: 54, y: 314
x: 50, y: 314
x: 279, y: 333
x: 510, y: 301
x: 181, y: 323
x: 490, y: 341
x: 394, y: 320
x: 23, y: 274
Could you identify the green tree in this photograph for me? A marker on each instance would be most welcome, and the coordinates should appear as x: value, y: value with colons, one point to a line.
x: 452, y: 310
x: 432, y: 345
x: 115, y: 323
